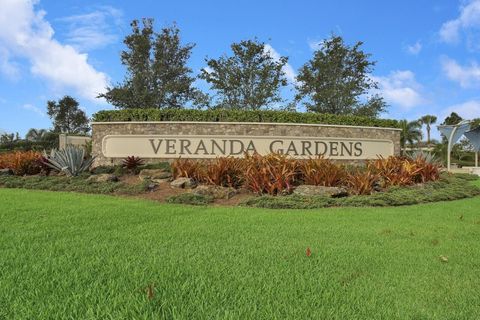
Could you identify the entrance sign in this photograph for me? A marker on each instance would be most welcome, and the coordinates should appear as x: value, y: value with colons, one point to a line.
x: 212, y: 146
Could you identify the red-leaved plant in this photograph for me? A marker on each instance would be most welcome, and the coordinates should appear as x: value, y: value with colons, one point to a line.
x: 321, y: 172
x: 132, y: 163
x: 272, y: 174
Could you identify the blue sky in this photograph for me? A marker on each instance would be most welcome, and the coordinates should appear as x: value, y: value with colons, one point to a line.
x: 427, y: 52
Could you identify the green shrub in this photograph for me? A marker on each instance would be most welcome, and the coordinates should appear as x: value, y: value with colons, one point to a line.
x: 190, y: 198
x: 225, y: 115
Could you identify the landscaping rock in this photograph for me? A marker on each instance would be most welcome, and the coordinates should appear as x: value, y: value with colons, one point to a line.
x: 104, y: 177
x: 217, y: 192
x: 6, y: 172
x: 309, y: 190
x: 152, y: 186
x: 183, y: 183
x: 157, y: 175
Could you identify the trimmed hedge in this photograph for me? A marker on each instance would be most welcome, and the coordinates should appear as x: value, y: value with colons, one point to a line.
x: 226, y: 115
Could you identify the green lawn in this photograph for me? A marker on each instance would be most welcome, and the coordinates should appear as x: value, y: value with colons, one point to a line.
x: 72, y: 256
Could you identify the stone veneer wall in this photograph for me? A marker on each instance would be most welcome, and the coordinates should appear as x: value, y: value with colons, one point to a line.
x: 101, y: 129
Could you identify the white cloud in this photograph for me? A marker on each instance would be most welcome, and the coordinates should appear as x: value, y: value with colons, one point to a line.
x: 400, y: 88
x: 466, y: 76
x: 7, y: 67
x: 467, y: 110
x: 287, y: 68
x: 414, y: 48
x: 25, y: 33
x: 93, y: 30
x: 34, y: 109
x: 469, y: 19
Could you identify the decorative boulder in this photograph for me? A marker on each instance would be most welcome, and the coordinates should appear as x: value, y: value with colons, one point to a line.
x: 183, y: 183
x: 6, y: 172
x: 152, y: 186
x: 104, y: 177
x: 310, y: 190
x: 217, y: 192
x: 157, y: 175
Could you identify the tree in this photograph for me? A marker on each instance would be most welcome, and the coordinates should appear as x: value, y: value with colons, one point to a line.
x: 7, y: 138
x: 250, y: 79
x: 35, y: 134
x: 428, y: 120
x: 157, y: 72
x: 452, y: 119
x: 67, y: 116
x: 411, y: 132
x: 337, y: 79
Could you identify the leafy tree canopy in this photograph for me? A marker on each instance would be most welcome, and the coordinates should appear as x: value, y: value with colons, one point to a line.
x: 338, y: 80
x: 452, y: 119
x: 157, y: 71
x: 250, y: 79
x: 67, y: 117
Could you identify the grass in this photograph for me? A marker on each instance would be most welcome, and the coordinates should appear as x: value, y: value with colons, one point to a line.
x: 78, y: 256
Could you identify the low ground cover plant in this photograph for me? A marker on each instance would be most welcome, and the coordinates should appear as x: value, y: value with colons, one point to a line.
x: 447, y: 187
x: 75, y: 184
x: 190, y: 198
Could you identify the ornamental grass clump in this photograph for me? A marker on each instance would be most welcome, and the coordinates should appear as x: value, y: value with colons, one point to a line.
x: 321, y: 172
x: 70, y: 160
x: 21, y: 162
x: 272, y: 174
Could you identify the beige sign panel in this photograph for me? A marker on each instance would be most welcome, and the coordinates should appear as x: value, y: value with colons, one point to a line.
x: 204, y: 147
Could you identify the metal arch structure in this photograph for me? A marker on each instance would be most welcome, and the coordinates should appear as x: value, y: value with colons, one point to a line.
x: 474, y: 137
x: 453, y: 133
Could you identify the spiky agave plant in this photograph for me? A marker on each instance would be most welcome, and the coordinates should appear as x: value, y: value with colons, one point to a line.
x: 70, y: 160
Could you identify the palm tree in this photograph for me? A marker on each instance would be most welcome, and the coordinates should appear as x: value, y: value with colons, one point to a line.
x: 428, y: 120
x: 411, y: 132
x: 35, y: 134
